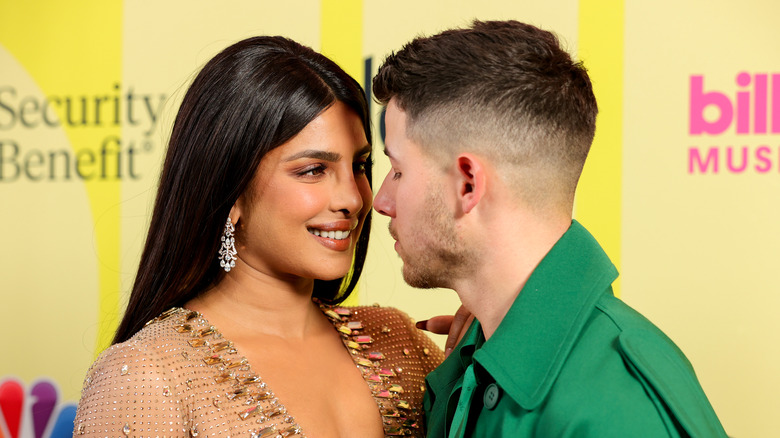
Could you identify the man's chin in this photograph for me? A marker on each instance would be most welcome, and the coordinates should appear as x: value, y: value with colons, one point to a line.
x: 419, y: 280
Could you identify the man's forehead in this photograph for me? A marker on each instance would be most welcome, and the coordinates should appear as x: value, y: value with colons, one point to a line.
x: 395, y: 129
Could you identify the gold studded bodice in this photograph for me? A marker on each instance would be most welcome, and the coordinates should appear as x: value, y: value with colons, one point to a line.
x: 178, y: 377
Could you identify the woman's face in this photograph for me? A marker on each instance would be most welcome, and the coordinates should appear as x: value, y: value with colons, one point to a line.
x: 304, y: 210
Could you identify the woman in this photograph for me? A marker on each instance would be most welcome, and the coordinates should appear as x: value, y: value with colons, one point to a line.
x: 259, y: 230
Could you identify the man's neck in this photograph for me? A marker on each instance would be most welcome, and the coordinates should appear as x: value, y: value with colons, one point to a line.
x: 504, y: 267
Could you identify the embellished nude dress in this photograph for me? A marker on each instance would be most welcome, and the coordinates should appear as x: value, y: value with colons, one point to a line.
x: 179, y: 377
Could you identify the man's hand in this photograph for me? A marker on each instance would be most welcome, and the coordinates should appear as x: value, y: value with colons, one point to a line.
x: 454, y: 326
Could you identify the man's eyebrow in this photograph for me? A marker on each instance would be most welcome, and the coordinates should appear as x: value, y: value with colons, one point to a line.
x: 387, y: 153
x: 316, y: 154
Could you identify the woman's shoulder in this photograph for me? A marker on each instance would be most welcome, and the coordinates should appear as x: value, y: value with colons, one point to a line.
x: 376, y: 319
x: 147, y: 350
x: 388, y: 329
x: 143, y: 370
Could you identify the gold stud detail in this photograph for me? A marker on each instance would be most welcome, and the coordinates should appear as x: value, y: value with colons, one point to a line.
x: 124, y: 370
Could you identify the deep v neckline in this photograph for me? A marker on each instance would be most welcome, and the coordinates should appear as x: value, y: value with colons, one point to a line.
x: 257, y: 400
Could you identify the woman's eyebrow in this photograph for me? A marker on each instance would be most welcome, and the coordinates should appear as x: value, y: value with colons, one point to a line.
x: 363, y: 151
x: 316, y: 154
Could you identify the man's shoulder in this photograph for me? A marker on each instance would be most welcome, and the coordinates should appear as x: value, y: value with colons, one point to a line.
x: 657, y: 364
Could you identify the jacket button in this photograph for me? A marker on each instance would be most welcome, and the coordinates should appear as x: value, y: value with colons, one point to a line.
x: 492, y: 394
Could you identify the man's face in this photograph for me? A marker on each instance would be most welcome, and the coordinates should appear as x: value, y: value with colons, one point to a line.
x: 415, y: 198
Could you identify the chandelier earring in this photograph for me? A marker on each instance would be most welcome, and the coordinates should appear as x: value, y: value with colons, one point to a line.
x: 227, y: 252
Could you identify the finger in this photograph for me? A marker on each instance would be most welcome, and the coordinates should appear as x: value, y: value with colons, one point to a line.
x: 438, y: 324
x: 460, y: 322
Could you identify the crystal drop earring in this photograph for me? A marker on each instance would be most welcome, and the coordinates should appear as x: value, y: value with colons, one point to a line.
x: 227, y: 252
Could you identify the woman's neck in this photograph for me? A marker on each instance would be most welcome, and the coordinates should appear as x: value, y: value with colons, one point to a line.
x: 255, y: 302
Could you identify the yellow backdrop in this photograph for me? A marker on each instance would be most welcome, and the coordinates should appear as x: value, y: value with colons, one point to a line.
x: 679, y: 187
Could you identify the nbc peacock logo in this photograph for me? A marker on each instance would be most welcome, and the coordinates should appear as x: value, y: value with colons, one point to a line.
x: 35, y: 412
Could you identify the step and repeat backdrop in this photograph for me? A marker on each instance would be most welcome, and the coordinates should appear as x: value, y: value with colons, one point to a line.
x: 681, y: 187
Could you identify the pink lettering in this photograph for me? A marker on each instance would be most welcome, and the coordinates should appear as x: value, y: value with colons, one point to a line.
x: 743, y: 104
x: 730, y: 160
x: 760, y: 104
x: 694, y: 157
x: 762, y: 156
x: 701, y: 100
x: 776, y: 104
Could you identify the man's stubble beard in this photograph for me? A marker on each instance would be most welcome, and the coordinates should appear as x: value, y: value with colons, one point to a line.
x: 439, y: 254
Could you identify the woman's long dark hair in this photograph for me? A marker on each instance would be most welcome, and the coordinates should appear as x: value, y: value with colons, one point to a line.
x: 249, y: 99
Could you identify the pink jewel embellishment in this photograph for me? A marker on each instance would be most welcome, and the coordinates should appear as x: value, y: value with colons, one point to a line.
x: 376, y: 355
x: 385, y: 372
x: 342, y: 311
x: 249, y: 412
x: 365, y: 339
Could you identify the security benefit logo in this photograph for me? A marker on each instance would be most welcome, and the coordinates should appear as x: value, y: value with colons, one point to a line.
x: 76, y: 137
x: 736, y: 130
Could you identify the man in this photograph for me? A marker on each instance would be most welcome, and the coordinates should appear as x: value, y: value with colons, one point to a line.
x: 487, y: 132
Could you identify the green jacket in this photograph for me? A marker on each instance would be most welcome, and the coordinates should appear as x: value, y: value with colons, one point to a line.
x: 571, y: 360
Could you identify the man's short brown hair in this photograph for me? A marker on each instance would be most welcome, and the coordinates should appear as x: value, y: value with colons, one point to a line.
x: 502, y: 89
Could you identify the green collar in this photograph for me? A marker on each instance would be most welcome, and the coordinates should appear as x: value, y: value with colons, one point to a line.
x: 530, y: 346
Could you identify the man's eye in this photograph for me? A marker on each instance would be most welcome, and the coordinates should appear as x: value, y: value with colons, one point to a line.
x: 396, y: 175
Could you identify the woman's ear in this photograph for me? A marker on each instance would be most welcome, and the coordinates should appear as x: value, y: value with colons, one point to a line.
x: 472, y: 179
x: 235, y: 212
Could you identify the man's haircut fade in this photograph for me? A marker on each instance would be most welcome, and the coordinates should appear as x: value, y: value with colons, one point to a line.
x: 502, y: 88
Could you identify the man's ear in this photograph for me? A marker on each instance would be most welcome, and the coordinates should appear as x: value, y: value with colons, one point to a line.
x: 470, y: 172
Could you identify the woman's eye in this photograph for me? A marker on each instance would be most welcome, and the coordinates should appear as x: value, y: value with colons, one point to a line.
x: 313, y: 171
x: 360, y: 167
